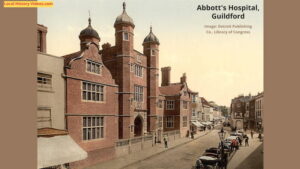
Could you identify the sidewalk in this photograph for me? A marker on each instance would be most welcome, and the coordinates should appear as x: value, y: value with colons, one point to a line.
x: 124, y: 161
x: 247, y: 157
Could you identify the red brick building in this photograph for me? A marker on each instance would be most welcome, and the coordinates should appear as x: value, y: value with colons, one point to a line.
x: 178, y: 98
x: 91, y: 101
x: 113, y: 93
x: 136, y: 74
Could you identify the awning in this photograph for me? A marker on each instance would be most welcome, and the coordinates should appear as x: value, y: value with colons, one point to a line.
x: 196, y: 123
x: 207, y: 123
x: 58, y: 150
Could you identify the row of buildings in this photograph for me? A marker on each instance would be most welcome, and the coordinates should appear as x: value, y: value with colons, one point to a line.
x: 104, y: 101
x: 246, y: 112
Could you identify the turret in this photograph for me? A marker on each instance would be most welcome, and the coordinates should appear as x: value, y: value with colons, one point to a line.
x: 124, y: 33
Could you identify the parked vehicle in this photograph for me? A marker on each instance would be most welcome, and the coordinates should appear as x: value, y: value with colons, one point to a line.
x: 240, y: 135
x: 213, y: 150
x: 209, y: 160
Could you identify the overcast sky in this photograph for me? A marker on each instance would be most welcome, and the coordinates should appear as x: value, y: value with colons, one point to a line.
x: 219, y: 67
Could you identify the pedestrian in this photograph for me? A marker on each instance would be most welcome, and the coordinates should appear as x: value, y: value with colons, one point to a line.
x: 260, y: 137
x: 246, y: 141
x: 166, y: 141
x: 252, y: 134
x: 236, y: 144
x: 155, y: 139
x: 232, y: 146
x: 192, y: 134
x: 240, y: 141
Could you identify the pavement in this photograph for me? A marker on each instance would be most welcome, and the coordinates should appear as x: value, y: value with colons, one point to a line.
x: 183, y: 153
x: 137, y: 157
x: 249, y: 157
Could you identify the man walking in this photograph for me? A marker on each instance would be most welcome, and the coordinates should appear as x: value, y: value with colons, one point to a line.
x: 246, y: 141
x: 166, y: 141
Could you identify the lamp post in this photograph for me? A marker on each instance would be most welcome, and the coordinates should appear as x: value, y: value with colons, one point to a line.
x: 222, y: 134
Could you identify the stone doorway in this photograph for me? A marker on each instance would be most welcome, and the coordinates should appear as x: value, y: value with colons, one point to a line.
x: 138, y: 126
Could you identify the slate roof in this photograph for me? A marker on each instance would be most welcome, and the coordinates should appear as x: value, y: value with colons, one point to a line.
x: 69, y: 57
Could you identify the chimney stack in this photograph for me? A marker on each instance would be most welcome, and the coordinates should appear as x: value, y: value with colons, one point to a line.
x: 183, y: 78
x: 41, y: 38
x: 165, y: 73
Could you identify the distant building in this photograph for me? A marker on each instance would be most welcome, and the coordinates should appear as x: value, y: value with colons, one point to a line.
x: 246, y: 112
x: 207, y: 114
x: 259, y: 102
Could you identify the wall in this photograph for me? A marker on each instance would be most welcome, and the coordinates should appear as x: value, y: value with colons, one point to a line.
x: 55, y: 98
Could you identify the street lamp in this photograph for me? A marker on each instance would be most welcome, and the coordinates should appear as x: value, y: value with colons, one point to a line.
x: 222, y: 134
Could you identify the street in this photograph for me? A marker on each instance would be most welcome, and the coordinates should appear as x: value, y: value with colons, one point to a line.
x: 183, y: 157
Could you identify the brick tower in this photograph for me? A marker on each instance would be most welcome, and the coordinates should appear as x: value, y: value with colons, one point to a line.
x: 151, y: 50
x: 124, y: 27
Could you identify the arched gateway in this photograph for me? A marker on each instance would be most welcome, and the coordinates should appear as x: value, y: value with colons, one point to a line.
x: 138, y: 126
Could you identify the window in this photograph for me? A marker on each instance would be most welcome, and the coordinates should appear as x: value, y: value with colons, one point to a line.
x: 170, y: 104
x: 44, y: 118
x: 159, y: 121
x: 93, y: 67
x: 184, y: 121
x: 185, y: 104
x: 170, y: 122
x: 193, y: 112
x: 194, y: 98
x: 93, y: 128
x: 44, y: 80
x: 153, y: 52
x: 138, y: 93
x: 92, y: 92
x: 160, y: 104
x: 138, y: 70
x: 125, y: 36
x: 185, y: 93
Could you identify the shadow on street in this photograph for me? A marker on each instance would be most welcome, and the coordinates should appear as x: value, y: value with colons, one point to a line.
x: 254, y: 160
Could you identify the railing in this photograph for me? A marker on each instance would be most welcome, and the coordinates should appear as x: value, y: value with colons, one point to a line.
x: 122, y: 142
x: 171, y: 133
x: 136, y: 140
x: 125, y: 142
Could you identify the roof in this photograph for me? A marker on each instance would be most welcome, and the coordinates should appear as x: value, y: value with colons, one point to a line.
x: 50, y: 132
x: 151, y: 37
x: 172, y: 89
x: 89, y: 31
x: 124, y: 18
x: 205, y: 102
x: 69, y: 57
x: 190, y: 91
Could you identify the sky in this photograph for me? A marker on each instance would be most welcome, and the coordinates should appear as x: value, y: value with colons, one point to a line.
x: 219, y: 67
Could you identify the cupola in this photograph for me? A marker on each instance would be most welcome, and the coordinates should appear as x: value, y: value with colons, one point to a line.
x: 89, y: 32
x: 151, y: 38
x: 124, y: 18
